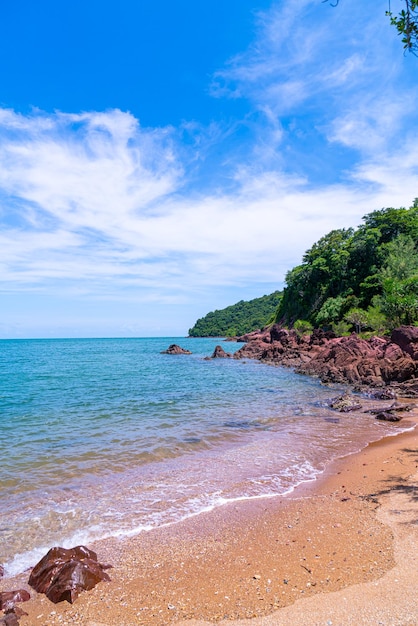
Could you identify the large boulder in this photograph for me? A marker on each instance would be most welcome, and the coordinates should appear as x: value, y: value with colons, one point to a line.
x: 406, y: 337
x: 63, y: 574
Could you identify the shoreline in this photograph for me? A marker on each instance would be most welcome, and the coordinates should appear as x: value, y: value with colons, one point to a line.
x: 257, y: 559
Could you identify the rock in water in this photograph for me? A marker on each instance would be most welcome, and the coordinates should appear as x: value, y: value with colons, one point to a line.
x: 175, y: 349
x: 219, y: 353
x: 63, y: 574
x: 344, y: 404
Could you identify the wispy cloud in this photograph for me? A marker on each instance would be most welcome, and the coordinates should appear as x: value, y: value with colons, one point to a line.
x: 104, y: 203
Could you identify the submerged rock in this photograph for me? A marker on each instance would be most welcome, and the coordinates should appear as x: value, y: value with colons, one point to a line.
x: 344, y: 404
x: 63, y: 574
x: 175, y: 349
x: 388, y: 416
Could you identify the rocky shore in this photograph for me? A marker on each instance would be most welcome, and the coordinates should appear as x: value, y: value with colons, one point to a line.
x: 378, y: 362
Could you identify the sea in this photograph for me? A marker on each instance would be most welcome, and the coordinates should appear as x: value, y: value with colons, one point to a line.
x: 110, y: 438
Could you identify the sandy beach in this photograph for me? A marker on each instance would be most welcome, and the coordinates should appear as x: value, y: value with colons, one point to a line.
x: 340, y: 550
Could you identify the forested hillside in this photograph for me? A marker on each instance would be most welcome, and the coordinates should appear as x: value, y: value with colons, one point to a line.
x: 358, y: 279
x: 238, y: 319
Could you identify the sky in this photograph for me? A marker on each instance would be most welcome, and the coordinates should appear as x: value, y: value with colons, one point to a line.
x: 160, y: 160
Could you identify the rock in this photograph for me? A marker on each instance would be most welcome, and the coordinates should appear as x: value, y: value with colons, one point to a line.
x: 219, y: 353
x: 382, y: 394
x: 375, y: 362
x: 389, y: 417
x: 175, y: 349
x: 9, y: 598
x: 10, y: 619
x: 1, y: 571
x: 63, y: 574
x: 406, y: 337
x: 259, y: 335
x: 396, y: 407
x: 344, y: 404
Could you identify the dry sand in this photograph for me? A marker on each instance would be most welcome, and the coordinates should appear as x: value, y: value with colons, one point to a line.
x: 340, y: 551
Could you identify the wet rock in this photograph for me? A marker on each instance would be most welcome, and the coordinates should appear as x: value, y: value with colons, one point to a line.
x: 1, y: 571
x: 408, y: 389
x: 63, y: 574
x: 387, y: 416
x: 382, y: 394
x: 175, y: 349
x: 9, y: 598
x: 219, y: 353
x: 344, y: 404
x: 396, y: 407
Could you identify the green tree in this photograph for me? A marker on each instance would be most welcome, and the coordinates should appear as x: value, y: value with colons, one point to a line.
x: 399, y: 299
x: 376, y: 320
x: 405, y: 22
x: 358, y: 318
x: 237, y: 319
x: 303, y: 327
x: 330, y: 311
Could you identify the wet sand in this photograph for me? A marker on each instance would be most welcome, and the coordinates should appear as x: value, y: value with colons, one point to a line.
x: 341, y: 550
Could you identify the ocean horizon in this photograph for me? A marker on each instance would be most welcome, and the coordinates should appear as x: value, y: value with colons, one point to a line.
x: 107, y: 437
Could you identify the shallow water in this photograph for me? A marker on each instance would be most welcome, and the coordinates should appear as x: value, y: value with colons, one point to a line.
x: 108, y: 437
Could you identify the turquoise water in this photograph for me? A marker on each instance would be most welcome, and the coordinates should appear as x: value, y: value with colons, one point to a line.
x: 108, y: 437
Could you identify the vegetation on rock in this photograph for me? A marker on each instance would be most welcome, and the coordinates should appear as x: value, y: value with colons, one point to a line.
x: 363, y: 280
x: 358, y: 279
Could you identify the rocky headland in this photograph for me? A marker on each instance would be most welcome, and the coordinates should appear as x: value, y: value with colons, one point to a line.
x: 378, y: 362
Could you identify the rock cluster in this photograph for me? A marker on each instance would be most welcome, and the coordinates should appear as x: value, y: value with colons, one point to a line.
x: 375, y: 362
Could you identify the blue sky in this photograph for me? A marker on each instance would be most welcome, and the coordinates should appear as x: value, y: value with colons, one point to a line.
x: 162, y: 159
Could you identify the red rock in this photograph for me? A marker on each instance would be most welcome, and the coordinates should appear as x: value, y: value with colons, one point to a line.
x: 374, y: 362
x: 175, y: 349
x: 8, y: 598
x: 219, y: 353
x: 63, y: 574
x: 406, y: 337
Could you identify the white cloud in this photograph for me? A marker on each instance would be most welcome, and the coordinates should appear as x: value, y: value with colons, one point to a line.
x: 100, y: 210
x: 93, y: 205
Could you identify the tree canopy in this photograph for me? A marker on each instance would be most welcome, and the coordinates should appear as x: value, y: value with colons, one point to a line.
x: 358, y: 278
x: 237, y: 319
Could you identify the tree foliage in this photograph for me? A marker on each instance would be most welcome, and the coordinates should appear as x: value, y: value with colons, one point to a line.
x: 367, y: 277
x: 237, y: 319
x: 405, y: 22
